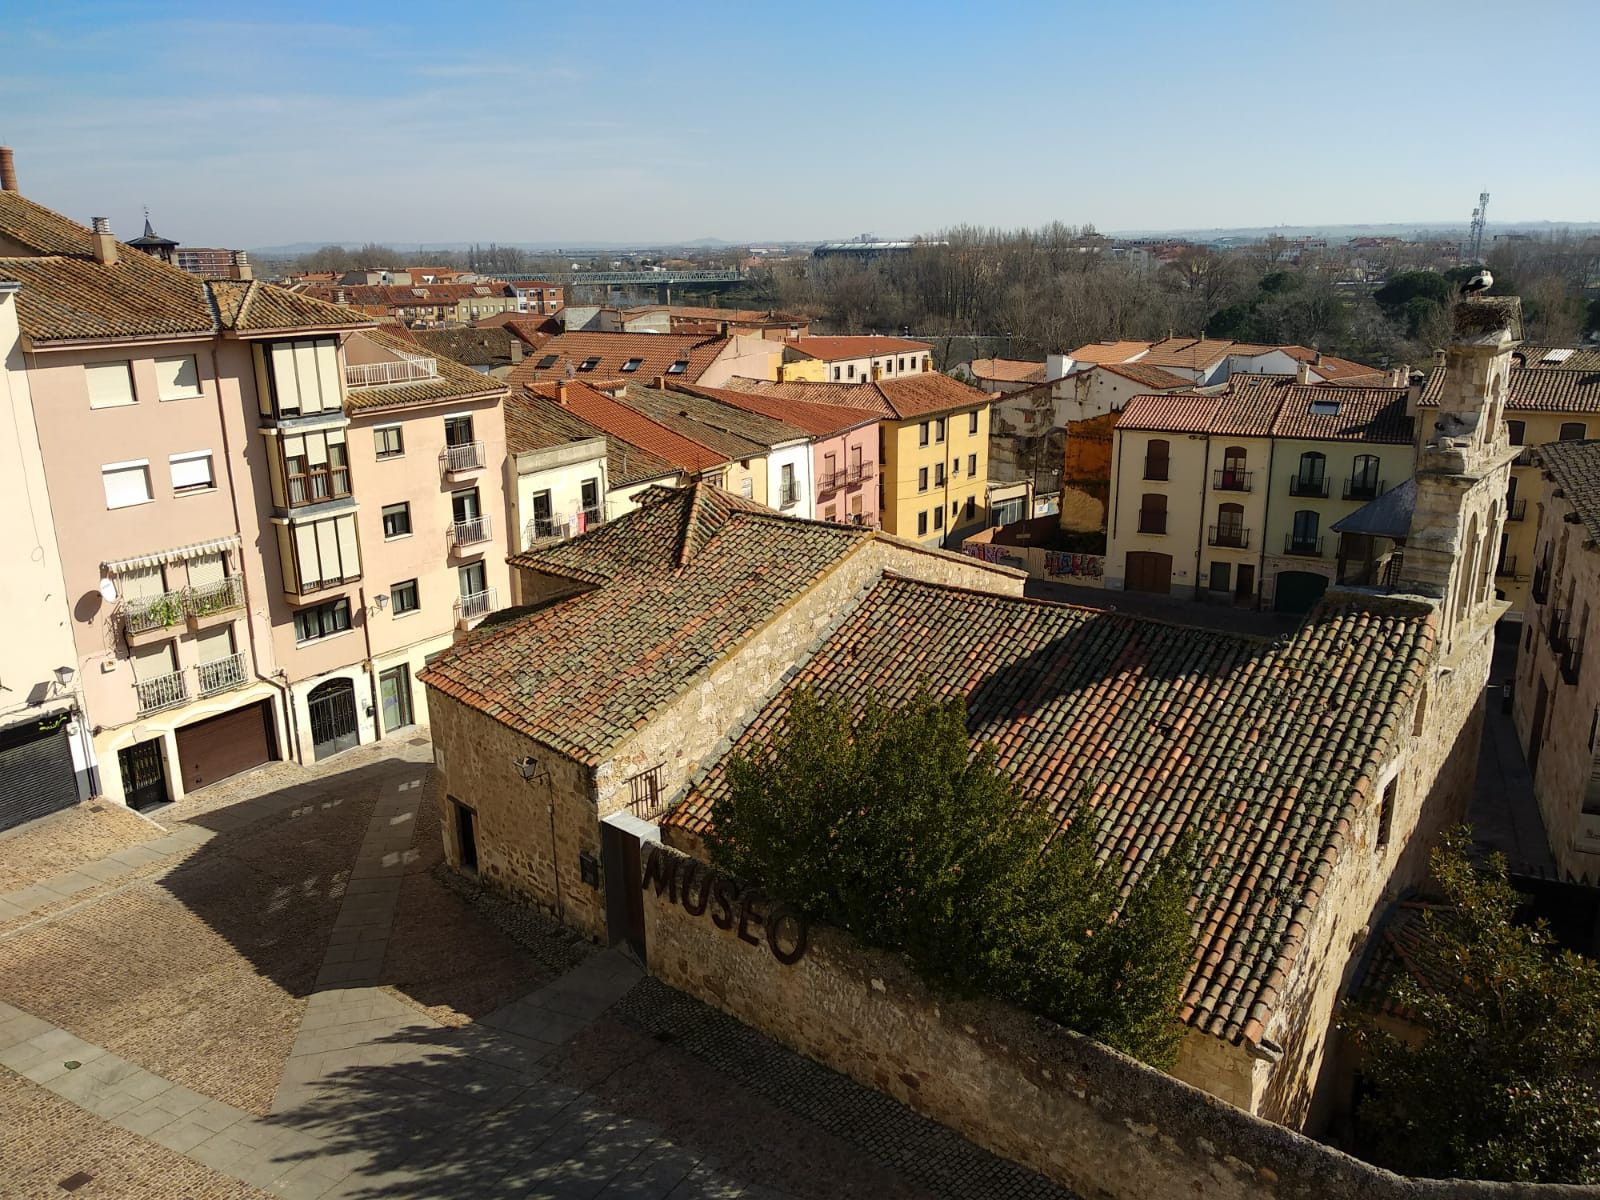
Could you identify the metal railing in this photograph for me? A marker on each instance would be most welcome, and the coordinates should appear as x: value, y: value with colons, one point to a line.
x: 318, y: 484
x: 1524, y: 457
x: 1302, y: 547
x: 1572, y: 663
x: 1359, y: 487
x: 469, y: 532
x: 1152, y: 520
x: 145, y: 613
x: 1507, y: 566
x: 644, y: 793
x: 467, y: 456
x: 1227, y: 479
x: 1517, y: 510
x: 475, y: 604
x: 1157, y: 468
x: 221, y: 675
x: 379, y: 373
x: 862, y: 471
x: 1556, y: 632
x: 1541, y: 584
x: 209, y: 598
x: 1305, y: 485
x: 832, y: 481
x: 788, y: 494
x: 1233, y: 536
x: 163, y: 691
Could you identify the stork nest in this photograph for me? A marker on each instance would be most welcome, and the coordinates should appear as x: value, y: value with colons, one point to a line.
x: 1477, y: 316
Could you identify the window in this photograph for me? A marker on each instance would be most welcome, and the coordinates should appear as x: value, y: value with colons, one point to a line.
x: 1304, y: 539
x: 922, y: 479
x: 1386, y: 812
x: 938, y: 474
x: 938, y: 429
x: 303, y: 377
x: 1153, y: 513
x: 464, y: 506
x: 938, y: 517
x: 1156, y: 452
x: 902, y: 364
x: 403, y: 597
x: 1221, y: 577
x: 927, y: 362
x: 972, y: 466
x: 972, y: 507
x: 315, y: 466
x: 126, y: 483
x: 1324, y: 408
x: 110, y: 384
x: 1310, y: 480
x: 589, y: 363
x: 972, y: 422
x: 632, y: 365
x: 1572, y: 431
x: 388, y: 441
x: 955, y: 465
x: 318, y: 554
x: 788, y: 492
x: 1364, y: 483
x: 548, y: 361
x: 457, y: 431
x: 747, y: 488
x: 838, y: 373
x: 850, y: 371
x: 1515, y: 430
x: 191, y: 472
x: 1230, y: 526
x: 322, y: 620
x: 678, y: 367
x: 589, y: 499
x: 177, y: 378
x: 922, y: 434
x: 922, y: 524
x: 397, y: 520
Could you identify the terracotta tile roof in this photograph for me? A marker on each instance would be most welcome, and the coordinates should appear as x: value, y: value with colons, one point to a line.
x: 1267, y: 752
x: 68, y: 295
x: 1575, y: 468
x: 686, y: 579
x: 1364, y: 415
x: 404, y: 295
x: 1530, y: 390
x: 452, y: 381
x: 1008, y: 370
x: 928, y: 394
x: 1559, y: 358
x: 1184, y: 412
x: 633, y: 427
x: 1193, y: 354
x: 862, y: 396
x: 1109, y: 352
x: 657, y: 352
x: 821, y: 420
x: 691, y: 412
x: 832, y: 349
x: 1147, y: 376
x: 536, y: 422
x: 470, y: 345
x: 1403, y: 949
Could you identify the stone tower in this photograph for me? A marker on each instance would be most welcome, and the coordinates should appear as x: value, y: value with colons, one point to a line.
x: 1463, y: 467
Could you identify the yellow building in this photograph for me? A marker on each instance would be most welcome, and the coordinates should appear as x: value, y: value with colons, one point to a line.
x: 1553, y: 396
x: 935, y: 451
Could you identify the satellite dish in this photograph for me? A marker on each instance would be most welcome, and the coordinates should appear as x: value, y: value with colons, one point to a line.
x: 108, y: 591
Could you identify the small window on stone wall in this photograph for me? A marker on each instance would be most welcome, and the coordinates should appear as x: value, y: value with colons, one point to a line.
x: 1386, y: 812
x: 1421, y: 716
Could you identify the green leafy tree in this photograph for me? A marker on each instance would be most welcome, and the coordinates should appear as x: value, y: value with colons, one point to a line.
x: 1504, y: 1081
x: 885, y: 823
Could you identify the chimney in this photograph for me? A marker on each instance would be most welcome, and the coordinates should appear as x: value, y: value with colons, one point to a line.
x: 8, y: 170
x: 1319, y: 358
x: 241, y: 265
x: 105, y: 246
x: 516, y: 349
x: 561, y: 393
x: 1302, y: 372
x: 339, y: 296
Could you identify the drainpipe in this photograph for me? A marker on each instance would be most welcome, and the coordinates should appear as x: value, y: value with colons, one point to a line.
x: 280, y: 678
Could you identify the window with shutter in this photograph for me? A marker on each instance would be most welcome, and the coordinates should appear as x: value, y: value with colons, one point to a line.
x: 126, y: 484
x: 191, y: 472
x: 177, y: 378
x: 110, y: 384
x: 208, y: 569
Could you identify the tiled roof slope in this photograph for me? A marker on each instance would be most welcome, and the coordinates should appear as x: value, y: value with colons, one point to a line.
x: 1560, y: 358
x: 1147, y: 376
x: 1534, y: 390
x: 1192, y: 354
x: 1266, y: 752
x: 708, y: 412
x: 632, y: 426
x: 863, y: 396
x: 820, y: 420
x: 1404, y: 949
x: 67, y: 295
x: 1008, y: 370
x: 1108, y: 352
x: 831, y: 349
x: 265, y: 307
x: 928, y: 394
x: 687, y: 578
x: 657, y: 350
x: 535, y: 422
x: 452, y: 382
x: 1575, y: 467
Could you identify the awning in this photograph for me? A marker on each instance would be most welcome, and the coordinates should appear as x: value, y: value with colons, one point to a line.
x: 177, y: 554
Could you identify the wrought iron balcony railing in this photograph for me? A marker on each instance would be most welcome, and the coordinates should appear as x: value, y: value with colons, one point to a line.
x: 1302, y: 547
x: 468, y: 456
x: 221, y: 675
x: 1226, y: 479
x: 164, y: 691
x: 1306, y: 485
x: 469, y: 532
x: 1233, y: 536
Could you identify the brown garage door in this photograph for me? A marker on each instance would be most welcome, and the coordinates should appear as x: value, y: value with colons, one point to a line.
x: 218, y: 747
x: 1148, y: 572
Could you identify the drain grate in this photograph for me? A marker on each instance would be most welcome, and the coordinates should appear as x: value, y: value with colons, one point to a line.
x: 75, y: 1181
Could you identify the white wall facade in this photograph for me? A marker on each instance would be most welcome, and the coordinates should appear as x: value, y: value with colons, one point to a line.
x: 561, y: 471
x: 796, y: 455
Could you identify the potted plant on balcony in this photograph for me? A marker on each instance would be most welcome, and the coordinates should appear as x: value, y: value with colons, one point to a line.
x: 159, y: 613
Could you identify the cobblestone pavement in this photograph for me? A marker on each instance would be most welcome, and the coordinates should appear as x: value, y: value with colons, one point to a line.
x: 56, y: 844
x: 243, y: 1015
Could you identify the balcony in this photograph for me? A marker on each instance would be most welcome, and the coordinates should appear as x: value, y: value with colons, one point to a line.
x: 164, y: 691
x: 318, y: 485
x: 1507, y: 567
x: 788, y: 494
x: 1152, y: 520
x: 1307, y: 485
x: 469, y: 533
x: 1517, y: 510
x: 1541, y: 584
x: 861, y: 472
x: 1359, y: 487
x: 1156, y: 468
x: 406, y: 370
x: 222, y: 675
x: 1524, y: 457
x: 151, y: 614
x: 1572, y: 664
x: 459, y: 459
x: 474, y: 607
x: 1556, y: 632
x: 1231, y: 536
x: 1229, y: 480
x: 548, y: 529
x: 1302, y: 547
x: 209, y: 599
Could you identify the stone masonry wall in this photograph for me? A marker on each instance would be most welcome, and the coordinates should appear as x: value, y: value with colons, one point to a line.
x: 1093, y: 1120
x: 683, y: 736
x: 477, y: 757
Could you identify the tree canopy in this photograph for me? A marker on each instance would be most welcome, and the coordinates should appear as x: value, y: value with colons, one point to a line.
x: 1503, y: 1081
x: 885, y: 823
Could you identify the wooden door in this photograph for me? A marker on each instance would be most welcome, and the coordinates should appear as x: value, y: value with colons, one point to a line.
x: 1148, y: 572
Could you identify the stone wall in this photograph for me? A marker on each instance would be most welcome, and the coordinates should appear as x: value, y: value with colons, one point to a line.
x: 1087, y: 1117
x: 477, y: 758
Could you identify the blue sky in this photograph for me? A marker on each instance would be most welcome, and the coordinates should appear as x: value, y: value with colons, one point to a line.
x: 620, y: 121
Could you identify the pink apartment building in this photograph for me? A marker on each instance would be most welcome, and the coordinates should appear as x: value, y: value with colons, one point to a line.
x: 226, y: 465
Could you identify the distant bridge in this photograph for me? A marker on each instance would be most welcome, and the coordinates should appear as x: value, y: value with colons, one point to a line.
x: 662, y: 281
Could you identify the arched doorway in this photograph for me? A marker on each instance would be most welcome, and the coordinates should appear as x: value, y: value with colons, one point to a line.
x: 332, y: 705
